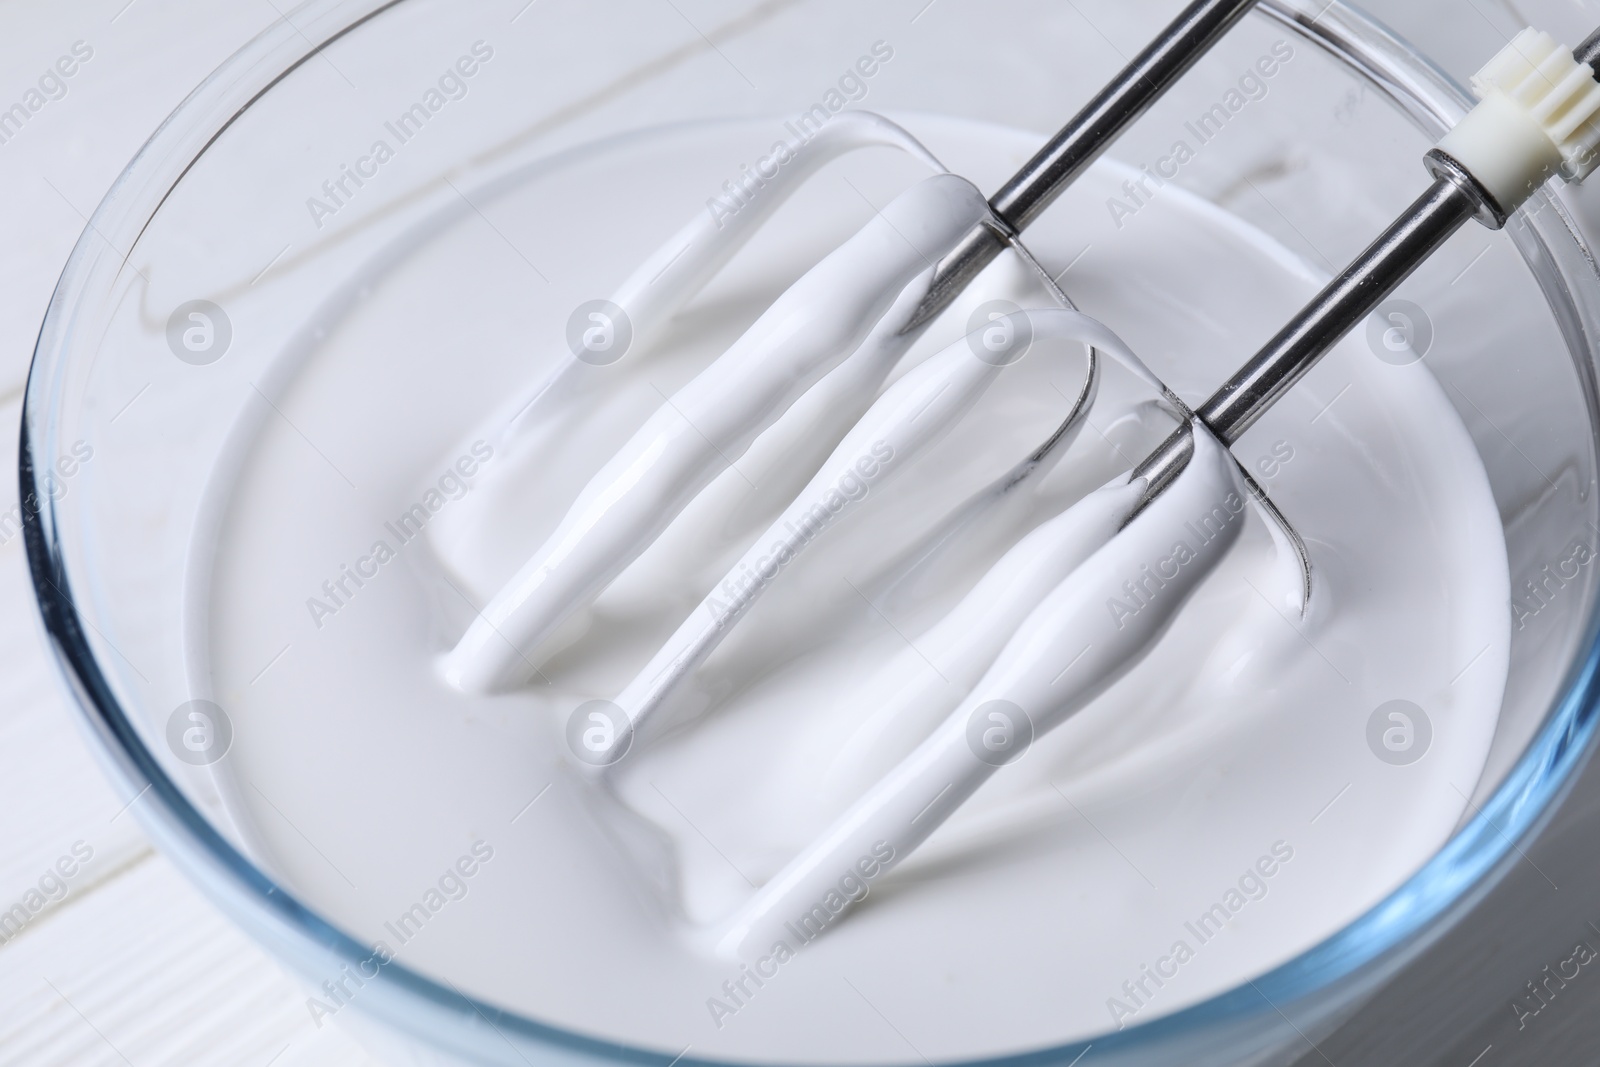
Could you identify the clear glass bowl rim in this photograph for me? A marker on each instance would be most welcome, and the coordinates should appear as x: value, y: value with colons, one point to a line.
x: 1325, y: 980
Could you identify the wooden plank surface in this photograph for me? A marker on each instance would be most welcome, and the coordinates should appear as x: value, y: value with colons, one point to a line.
x: 113, y: 958
x: 123, y: 963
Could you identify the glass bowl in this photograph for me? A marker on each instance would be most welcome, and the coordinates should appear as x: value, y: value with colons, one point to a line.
x: 251, y: 219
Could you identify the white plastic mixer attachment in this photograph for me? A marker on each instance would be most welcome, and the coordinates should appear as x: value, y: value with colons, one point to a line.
x: 902, y: 425
x: 1085, y: 633
x: 529, y: 433
x: 836, y: 309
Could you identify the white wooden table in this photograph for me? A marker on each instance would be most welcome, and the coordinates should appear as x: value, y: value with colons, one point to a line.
x: 130, y: 966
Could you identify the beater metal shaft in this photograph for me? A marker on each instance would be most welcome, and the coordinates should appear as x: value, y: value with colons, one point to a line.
x: 1447, y: 206
x: 1080, y: 142
x: 1347, y: 300
x: 1456, y: 195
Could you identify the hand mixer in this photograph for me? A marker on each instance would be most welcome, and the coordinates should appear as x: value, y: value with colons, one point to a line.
x: 1539, y: 115
x: 1138, y: 547
x: 706, y: 426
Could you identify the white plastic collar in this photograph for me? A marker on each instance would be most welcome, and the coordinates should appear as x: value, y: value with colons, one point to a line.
x: 1539, y: 115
